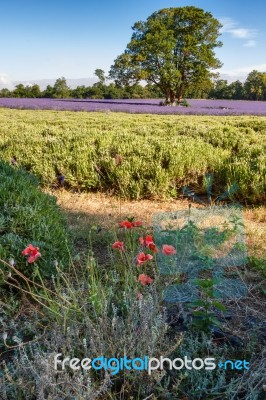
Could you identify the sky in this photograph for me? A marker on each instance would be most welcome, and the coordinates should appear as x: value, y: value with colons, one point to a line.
x: 48, y: 39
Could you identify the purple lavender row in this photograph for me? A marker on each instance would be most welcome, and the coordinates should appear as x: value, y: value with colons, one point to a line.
x: 147, y: 106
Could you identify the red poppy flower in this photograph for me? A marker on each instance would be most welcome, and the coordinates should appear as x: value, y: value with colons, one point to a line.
x: 118, y: 245
x: 145, y: 241
x: 142, y: 258
x: 126, y: 224
x: 137, y: 223
x: 32, y: 258
x: 148, y: 242
x: 145, y: 279
x: 32, y: 253
x: 153, y: 247
x: 30, y: 250
x: 168, y: 250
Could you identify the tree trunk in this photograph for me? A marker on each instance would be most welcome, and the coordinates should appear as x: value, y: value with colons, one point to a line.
x: 167, y: 98
x: 180, y: 93
x: 173, y: 99
x: 170, y: 98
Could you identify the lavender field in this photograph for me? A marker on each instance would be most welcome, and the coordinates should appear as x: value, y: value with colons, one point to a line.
x: 140, y: 106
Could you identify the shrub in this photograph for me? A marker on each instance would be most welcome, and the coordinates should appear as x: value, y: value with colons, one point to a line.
x: 29, y: 216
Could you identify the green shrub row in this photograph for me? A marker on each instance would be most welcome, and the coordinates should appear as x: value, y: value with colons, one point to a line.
x: 137, y: 156
x: 29, y: 216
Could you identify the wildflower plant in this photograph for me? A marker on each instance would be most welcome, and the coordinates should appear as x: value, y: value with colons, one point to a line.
x: 93, y: 312
x: 29, y: 217
x: 115, y: 311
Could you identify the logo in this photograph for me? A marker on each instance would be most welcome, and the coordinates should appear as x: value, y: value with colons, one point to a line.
x: 115, y: 365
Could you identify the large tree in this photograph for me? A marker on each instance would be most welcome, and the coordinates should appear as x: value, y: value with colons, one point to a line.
x: 173, y: 49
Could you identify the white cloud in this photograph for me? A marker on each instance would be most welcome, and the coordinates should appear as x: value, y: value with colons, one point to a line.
x: 242, y: 33
x: 258, y: 67
x: 232, y: 27
x: 240, y: 73
x: 228, y: 23
x: 5, y: 82
x: 250, y: 43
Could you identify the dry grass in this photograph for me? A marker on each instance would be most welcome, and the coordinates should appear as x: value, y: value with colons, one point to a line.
x: 106, y: 211
x: 255, y: 223
x: 87, y: 209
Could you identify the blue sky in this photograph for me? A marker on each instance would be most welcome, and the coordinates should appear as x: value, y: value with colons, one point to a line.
x: 49, y: 39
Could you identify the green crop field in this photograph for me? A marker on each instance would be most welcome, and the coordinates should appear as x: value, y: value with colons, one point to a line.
x: 137, y: 156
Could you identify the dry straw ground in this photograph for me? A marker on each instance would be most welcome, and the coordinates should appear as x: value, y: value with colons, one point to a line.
x: 87, y: 209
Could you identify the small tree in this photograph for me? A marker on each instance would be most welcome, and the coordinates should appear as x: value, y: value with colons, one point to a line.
x: 19, y: 90
x: 255, y: 85
x: 173, y: 49
x: 220, y: 89
x: 5, y: 93
x: 236, y: 90
x: 100, y: 75
x: 48, y: 92
x: 79, y: 92
x: 60, y: 89
x: 35, y: 91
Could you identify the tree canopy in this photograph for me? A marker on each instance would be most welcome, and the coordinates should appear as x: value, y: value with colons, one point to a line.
x: 255, y: 85
x: 173, y: 49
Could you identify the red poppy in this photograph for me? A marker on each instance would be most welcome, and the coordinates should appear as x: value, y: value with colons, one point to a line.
x: 137, y: 223
x: 145, y: 241
x: 142, y: 258
x: 30, y: 250
x: 168, y: 250
x: 118, y: 245
x: 145, y: 279
x: 148, y: 242
x: 153, y: 247
x: 32, y: 258
x: 32, y: 253
x: 126, y: 224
